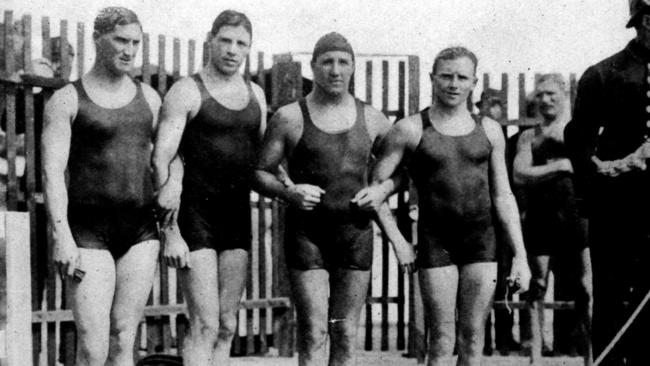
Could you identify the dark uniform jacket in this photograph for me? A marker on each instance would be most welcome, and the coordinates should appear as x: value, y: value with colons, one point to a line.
x: 611, y: 119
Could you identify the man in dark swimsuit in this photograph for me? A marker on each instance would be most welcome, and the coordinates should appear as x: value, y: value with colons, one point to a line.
x: 327, y: 139
x: 214, y: 120
x: 100, y: 128
x: 607, y: 140
x: 457, y: 164
x: 553, y: 226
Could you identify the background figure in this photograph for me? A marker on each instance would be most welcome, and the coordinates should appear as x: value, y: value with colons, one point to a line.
x: 608, y: 142
x: 554, y: 233
x: 490, y: 105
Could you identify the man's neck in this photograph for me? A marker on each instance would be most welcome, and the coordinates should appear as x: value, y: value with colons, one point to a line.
x: 446, y: 112
x: 107, y: 78
x: 319, y: 96
x: 218, y: 77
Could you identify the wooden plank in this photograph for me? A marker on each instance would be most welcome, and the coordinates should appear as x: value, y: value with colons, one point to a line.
x: 384, y: 293
x: 176, y: 67
x: 206, y: 51
x: 414, y: 84
x: 522, y: 96
x: 3, y: 293
x: 191, y: 54
x: 46, y: 48
x: 249, y: 344
x: 247, y: 68
x: 63, y: 47
x: 486, y: 81
x: 146, y: 47
x: 401, y: 205
x: 573, y: 89
x: 81, y: 45
x: 162, y: 74
x: 12, y: 179
x: 283, y: 318
x: 369, y: 323
x: 369, y: 82
x: 27, y: 42
x: 262, y: 245
x: 10, y: 64
x: 505, y: 92
x: 18, y: 277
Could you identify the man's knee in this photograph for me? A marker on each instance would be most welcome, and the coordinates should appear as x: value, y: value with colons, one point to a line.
x: 313, y: 333
x: 122, y: 334
x: 470, y: 335
x: 342, y: 329
x: 91, y: 350
x: 227, y: 326
x: 205, y: 329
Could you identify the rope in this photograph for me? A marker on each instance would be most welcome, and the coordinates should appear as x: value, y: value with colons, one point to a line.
x: 623, y: 329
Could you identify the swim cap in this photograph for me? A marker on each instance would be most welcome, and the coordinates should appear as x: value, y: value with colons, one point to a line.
x: 331, y: 42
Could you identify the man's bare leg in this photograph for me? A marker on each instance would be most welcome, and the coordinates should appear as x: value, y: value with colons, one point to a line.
x: 233, y: 267
x: 476, y: 292
x: 439, y: 287
x: 91, y: 301
x: 134, y: 276
x: 349, y: 289
x: 200, y: 288
x: 539, y: 268
x: 584, y: 303
x: 310, y: 293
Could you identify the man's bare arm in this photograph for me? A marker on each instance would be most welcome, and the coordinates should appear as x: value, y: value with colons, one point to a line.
x: 506, y: 205
x: 55, y: 146
x: 524, y: 172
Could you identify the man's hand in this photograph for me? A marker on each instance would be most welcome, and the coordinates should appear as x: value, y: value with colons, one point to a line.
x: 564, y: 165
x: 168, y: 202
x: 176, y: 253
x: 66, y: 254
x: 405, y: 254
x: 370, y: 198
x: 519, y: 278
x: 304, y: 196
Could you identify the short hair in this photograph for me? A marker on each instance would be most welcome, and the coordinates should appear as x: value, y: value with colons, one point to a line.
x: 232, y: 18
x: 555, y: 78
x: 454, y: 53
x: 112, y: 16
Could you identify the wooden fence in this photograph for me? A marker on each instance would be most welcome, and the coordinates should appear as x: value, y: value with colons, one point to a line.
x: 393, y: 317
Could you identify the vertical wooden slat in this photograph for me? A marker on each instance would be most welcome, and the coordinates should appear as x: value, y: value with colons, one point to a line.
x: 250, y: 279
x: 12, y: 179
x: 81, y: 39
x: 46, y: 50
x: 261, y: 79
x: 505, y: 92
x: 368, y: 336
x: 191, y: 54
x: 417, y: 329
x: 206, y: 51
x: 247, y: 68
x: 522, y: 96
x: 486, y: 81
x: 10, y: 66
x: 261, y: 252
x: 573, y: 89
x: 146, y: 47
x: 176, y: 67
x: 401, y: 316
x: 14, y: 233
x: 63, y: 47
x: 3, y: 293
x: 283, y: 320
x: 385, y: 251
x: 162, y: 74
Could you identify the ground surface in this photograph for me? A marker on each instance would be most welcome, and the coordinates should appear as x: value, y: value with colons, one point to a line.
x: 396, y: 359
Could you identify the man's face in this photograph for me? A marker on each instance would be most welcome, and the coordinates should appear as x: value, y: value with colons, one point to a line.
x: 495, y: 111
x: 550, y: 99
x: 229, y: 48
x: 332, y: 71
x: 453, y: 80
x: 117, y: 49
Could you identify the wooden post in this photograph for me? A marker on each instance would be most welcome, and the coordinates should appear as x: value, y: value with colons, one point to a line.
x: 15, y: 290
x: 417, y: 345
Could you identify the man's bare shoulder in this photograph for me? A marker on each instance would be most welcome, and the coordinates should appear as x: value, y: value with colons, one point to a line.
x: 64, y: 100
x: 493, y: 131
x: 409, y: 127
x: 377, y: 123
x: 151, y: 96
x: 289, y: 114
